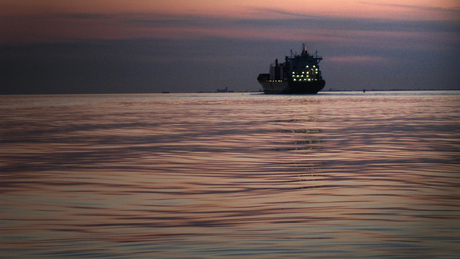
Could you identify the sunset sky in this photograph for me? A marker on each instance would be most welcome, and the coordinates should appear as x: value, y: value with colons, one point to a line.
x: 97, y: 46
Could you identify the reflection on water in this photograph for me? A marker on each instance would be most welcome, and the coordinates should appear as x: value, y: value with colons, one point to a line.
x: 336, y: 175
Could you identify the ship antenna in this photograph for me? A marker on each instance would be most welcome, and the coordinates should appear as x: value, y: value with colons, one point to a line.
x: 291, y: 53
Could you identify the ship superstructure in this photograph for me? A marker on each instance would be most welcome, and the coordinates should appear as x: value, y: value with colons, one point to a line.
x: 299, y: 74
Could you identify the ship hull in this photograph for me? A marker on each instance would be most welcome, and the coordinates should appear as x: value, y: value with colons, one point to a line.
x: 292, y: 87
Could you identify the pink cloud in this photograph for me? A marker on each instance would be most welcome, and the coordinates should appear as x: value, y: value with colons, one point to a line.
x: 355, y: 59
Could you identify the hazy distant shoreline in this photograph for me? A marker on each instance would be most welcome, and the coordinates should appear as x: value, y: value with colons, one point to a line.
x: 231, y: 91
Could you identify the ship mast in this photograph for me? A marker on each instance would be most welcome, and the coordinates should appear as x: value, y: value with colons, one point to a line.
x: 304, y: 50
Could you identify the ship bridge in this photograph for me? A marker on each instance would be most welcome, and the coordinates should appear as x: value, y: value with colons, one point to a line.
x: 298, y: 67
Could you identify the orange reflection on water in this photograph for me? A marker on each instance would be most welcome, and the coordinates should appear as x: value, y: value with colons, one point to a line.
x: 332, y: 175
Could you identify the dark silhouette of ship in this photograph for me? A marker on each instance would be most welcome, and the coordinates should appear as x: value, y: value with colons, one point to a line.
x: 299, y: 74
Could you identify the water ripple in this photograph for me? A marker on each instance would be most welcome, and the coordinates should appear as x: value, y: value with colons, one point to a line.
x: 337, y: 175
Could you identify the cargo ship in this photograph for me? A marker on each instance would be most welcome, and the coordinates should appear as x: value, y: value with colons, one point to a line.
x: 298, y: 74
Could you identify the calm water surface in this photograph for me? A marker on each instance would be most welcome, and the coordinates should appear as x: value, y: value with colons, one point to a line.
x: 336, y: 175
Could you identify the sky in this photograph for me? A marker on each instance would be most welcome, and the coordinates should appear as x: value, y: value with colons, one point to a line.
x: 148, y: 46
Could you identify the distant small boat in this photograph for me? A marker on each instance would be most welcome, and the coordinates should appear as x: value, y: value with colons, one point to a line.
x: 165, y: 92
x: 299, y: 74
x: 225, y: 90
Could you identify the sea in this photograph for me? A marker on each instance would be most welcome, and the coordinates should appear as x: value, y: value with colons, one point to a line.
x: 231, y: 175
